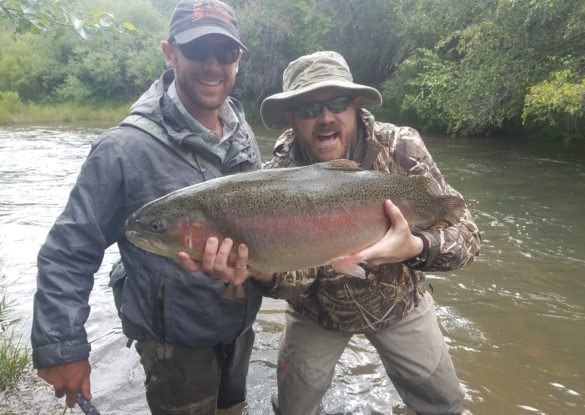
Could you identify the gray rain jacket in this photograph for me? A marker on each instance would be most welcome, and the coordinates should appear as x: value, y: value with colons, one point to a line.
x: 125, y: 169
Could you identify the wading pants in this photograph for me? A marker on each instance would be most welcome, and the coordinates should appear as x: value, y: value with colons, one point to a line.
x: 413, y: 352
x: 195, y: 381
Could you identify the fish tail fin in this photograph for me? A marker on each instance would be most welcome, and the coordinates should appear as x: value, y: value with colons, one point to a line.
x: 455, y: 209
x: 348, y: 267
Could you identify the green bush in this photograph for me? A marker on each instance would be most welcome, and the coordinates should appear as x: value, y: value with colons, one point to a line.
x: 556, y: 100
x: 72, y: 90
x: 14, y: 357
x: 10, y: 101
x: 10, y: 104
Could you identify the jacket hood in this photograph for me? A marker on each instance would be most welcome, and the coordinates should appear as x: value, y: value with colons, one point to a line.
x: 156, y: 105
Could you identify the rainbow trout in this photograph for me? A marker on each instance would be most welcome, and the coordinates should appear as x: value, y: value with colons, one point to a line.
x: 290, y: 218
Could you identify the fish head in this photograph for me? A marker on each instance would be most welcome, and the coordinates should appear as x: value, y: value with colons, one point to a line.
x: 150, y: 234
x: 167, y: 231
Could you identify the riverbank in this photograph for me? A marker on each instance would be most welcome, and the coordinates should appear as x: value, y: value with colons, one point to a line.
x: 15, y: 112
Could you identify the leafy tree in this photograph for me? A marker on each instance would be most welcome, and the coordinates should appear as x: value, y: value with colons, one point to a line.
x: 276, y: 32
x: 475, y: 78
x: 117, y: 65
x: 31, y: 16
x: 457, y: 66
x: 372, y: 35
x: 558, y: 103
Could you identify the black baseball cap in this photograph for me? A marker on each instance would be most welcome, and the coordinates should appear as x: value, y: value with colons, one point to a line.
x: 192, y: 19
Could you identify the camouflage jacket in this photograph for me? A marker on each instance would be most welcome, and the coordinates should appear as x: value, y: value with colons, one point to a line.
x: 391, y: 291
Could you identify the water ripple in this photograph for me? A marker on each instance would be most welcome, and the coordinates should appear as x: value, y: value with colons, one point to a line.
x: 514, y: 320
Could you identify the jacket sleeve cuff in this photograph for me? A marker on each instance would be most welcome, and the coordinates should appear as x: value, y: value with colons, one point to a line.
x: 53, y: 354
x: 431, y: 248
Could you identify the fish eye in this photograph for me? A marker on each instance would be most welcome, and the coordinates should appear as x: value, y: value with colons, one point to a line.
x: 157, y: 225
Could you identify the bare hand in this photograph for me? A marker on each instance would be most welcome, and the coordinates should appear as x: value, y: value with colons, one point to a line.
x: 397, y: 245
x: 68, y: 379
x: 216, y: 261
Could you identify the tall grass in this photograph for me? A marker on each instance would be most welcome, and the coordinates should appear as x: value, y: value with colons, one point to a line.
x: 14, y: 356
x: 14, y: 360
x: 14, y: 111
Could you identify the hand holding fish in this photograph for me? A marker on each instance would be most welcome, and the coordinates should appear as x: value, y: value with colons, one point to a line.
x: 68, y: 379
x: 397, y: 245
x: 216, y: 261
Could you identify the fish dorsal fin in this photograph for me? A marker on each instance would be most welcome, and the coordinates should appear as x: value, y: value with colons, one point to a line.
x: 341, y: 164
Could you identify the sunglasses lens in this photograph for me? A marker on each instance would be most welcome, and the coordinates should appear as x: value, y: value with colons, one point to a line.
x: 310, y: 110
x: 314, y: 109
x: 195, y: 52
x: 226, y: 54
x: 339, y: 104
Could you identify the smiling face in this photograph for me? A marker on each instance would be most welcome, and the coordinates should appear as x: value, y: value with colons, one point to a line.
x: 327, y: 136
x: 202, y: 85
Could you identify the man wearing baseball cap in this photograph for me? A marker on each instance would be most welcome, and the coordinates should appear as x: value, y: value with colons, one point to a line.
x: 323, y: 112
x: 194, y: 338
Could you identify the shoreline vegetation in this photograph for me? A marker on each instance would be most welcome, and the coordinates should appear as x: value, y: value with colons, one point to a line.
x: 15, y: 357
x: 14, y: 354
x: 13, y: 112
x: 452, y: 67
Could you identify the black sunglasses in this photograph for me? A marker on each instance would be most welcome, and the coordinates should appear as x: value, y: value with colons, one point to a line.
x: 226, y: 53
x: 314, y: 109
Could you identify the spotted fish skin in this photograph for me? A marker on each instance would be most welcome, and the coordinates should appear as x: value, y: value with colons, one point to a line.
x: 290, y: 218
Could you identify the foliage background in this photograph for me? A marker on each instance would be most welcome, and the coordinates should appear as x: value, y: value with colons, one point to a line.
x: 462, y: 67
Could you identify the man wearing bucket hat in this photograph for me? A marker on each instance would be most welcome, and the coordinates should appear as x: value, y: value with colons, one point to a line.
x: 194, y: 341
x: 323, y: 109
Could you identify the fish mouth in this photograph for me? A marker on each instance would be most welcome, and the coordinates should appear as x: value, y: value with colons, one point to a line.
x: 149, y: 243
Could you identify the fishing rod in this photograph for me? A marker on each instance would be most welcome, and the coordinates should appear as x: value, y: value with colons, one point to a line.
x: 86, y: 406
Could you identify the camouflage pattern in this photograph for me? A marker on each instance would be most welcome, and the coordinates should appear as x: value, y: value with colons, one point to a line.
x: 391, y: 291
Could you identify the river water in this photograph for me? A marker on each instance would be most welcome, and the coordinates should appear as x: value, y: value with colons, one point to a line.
x: 514, y: 319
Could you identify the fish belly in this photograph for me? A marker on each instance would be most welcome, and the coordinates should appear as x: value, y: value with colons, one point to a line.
x: 306, y: 240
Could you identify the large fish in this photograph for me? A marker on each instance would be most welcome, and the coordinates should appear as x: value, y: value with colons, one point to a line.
x: 290, y: 218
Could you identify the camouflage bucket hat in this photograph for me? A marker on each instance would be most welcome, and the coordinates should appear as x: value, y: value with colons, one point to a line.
x: 309, y: 73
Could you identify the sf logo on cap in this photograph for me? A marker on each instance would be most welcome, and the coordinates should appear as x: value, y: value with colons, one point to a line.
x: 209, y: 9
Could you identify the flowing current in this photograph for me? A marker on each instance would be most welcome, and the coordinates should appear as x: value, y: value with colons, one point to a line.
x: 514, y: 319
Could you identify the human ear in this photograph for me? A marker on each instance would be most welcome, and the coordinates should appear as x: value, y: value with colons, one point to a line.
x: 167, y: 49
x: 237, y: 67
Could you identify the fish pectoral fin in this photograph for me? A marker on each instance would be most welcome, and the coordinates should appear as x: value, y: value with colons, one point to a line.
x: 348, y: 267
x: 234, y: 293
